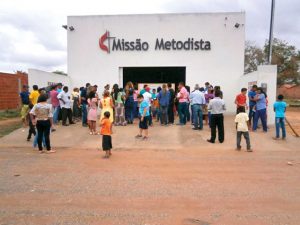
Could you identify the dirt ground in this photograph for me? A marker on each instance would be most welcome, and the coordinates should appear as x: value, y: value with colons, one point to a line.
x: 293, y: 117
x: 175, y: 177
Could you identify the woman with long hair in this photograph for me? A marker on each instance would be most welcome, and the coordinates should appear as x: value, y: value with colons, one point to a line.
x: 106, y: 105
x: 129, y: 107
x: 92, y: 114
x: 119, y: 98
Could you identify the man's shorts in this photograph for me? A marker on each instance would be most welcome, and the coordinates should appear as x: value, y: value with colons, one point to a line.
x: 144, y: 124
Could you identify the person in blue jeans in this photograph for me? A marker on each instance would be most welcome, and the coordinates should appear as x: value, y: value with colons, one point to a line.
x: 182, y: 97
x: 83, y: 97
x: 164, y: 100
x: 197, y: 99
x: 252, y: 103
x: 261, y: 110
x: 129, y: 106
x: 279, y: 109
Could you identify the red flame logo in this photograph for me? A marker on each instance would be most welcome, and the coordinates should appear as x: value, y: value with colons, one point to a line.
x: 102, y: 39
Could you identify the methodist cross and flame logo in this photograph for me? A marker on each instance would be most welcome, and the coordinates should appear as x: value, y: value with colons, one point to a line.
x: 102, y: 39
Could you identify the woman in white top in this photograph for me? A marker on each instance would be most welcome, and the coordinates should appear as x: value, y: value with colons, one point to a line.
x: 41, y: 115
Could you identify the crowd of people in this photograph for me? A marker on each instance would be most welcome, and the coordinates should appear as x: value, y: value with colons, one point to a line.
x: 43, y: 110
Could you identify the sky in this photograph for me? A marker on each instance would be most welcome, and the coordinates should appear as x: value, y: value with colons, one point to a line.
x: 31, y: 35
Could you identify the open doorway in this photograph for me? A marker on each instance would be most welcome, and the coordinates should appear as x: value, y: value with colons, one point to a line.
x: 154, y: 75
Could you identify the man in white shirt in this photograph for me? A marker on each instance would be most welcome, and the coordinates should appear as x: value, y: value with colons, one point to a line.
x: 197, y: 100
x: 65, y: 105
x: 217, y: 107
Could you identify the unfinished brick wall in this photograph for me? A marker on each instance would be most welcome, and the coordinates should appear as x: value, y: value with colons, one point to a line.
x: 10, y: 86
x: 289, y: 91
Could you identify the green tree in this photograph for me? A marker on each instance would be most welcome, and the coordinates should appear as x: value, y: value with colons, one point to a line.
x: 254, y: 56
x: 286, y: 57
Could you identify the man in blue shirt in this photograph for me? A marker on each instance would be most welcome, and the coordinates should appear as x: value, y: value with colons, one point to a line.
x: 261, y: 110
x: 252, y: 103
x: 25, y: 104
x: 279, y: 109
x: 197, y: 100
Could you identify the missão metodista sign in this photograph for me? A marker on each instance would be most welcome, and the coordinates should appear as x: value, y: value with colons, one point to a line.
x: 108, y: 44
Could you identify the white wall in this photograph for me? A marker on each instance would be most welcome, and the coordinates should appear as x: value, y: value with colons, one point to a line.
x: 264, y: 74
x: 43, y: 78
x: 222, y: 65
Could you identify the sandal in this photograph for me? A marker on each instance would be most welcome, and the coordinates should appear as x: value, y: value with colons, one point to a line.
x: 145, y: 138
x: 138, y: 136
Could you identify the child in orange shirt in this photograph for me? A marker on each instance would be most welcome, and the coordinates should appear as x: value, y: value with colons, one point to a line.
x: 106, y: 131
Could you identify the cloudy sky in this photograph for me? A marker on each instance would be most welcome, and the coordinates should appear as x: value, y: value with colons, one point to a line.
x: 31, y: 35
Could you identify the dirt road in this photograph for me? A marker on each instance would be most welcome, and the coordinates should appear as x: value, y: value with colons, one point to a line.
x: 175, y: 177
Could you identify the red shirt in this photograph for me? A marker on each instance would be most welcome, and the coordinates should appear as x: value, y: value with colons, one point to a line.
x: 241, y: 100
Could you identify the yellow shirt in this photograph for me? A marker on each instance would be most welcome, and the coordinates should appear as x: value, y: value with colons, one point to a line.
x: 33, y: 97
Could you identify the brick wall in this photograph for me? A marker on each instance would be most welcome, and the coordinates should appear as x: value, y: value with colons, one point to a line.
x: 10, y: 85
x: 291, y: 92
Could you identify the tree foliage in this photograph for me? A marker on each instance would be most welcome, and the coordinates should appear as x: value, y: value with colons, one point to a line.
x: 285, y: 56
x: 254, y: 56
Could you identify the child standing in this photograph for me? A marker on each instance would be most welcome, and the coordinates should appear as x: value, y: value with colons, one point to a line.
x: 279, y: 109
x: 31, y: 126
x: 144, y: 115
x: 106, y: 132
x: 242, y: 121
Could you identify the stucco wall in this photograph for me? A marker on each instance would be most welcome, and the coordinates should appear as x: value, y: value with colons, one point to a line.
x: 264, y: 75
x: 222, y: 65
x: 44, y: 79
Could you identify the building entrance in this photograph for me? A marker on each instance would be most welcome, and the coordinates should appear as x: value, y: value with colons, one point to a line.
x: 154, y: 75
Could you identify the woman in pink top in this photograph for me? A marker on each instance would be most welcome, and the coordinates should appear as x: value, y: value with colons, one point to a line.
x: 92, y: 114
x: 54, y: 103
x: 183, y: 104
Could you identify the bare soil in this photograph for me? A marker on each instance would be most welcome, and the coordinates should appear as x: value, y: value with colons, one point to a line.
x: 293, y: 117
x: 175, y: 177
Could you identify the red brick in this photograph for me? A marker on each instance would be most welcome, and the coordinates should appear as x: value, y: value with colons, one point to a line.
x: 9, y: 86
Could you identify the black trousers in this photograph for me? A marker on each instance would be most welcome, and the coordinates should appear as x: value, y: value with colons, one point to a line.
x: 217, y: 121
x: 66, y: 113
x: 171, y: 113
x: 31, y: 130
x: 43, y: 128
